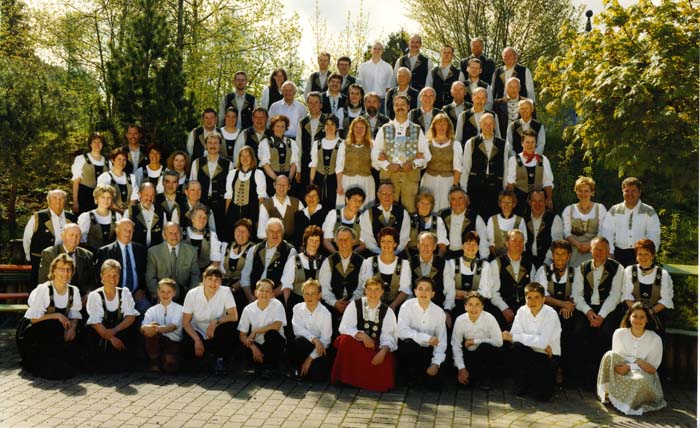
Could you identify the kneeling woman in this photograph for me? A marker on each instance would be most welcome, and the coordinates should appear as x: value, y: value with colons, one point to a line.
x: 162, y: 329
x: 208, y: 319
x: 313, y: 329
x: 475, y: 340
x: 111, y: 314
x: 366, y: 343
x: 261, y: 327
x: 46, y: 335
x: 627, y: 374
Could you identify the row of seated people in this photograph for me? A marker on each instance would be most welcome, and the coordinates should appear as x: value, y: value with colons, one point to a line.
x: 364, y: 342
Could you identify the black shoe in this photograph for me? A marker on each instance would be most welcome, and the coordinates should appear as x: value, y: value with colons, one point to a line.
x: 220, y: 367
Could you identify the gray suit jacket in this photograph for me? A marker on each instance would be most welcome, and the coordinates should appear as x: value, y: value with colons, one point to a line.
x: 159, y: 267
x: 84, y: 274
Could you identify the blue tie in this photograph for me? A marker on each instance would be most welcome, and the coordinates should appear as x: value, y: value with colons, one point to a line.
x: 130, y: 283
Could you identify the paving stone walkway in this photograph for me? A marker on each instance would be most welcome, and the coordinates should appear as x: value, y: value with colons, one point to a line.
x: 141, y: 399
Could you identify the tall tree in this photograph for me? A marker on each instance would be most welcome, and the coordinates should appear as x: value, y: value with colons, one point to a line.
x: 530, y: 26
x: 633, y: 86
x: 146, y: 78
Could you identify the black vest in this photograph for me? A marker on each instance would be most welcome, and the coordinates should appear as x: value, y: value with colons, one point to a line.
x: 443, y: 87
x: 246, y: 113
x: 391, y: 93
x: 517, y: 139
x: 326, y: 107
x: 436, y: 272
x: 544, y: 237
x: 499, y: 85
x: 605, y: 285
x: 372, y: 329
x: 376, y: 217
x: 140, y: 230
x: 43, y: 237
x: 316, y: 82
x: 344, y: 285
x: 199, y: 147
x: 179, y: 207
x: 513, y: 290
x: 276, y: 267
x: 479, y: 159
x: 218, y: 182
x: 416, y: 116
x: 274, y: 95
x: 487, y: 67
x: 419, y: 73
x: 561, y: 291
x: 251, y: 140
x: 469, y: 223
x: 468, y: 129
x: 468, y: 94
x: 347, y: 81
x: 306, y: 143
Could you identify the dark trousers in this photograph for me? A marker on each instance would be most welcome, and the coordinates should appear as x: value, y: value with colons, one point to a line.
x: 493, y: 310
x: 568, y: 343
x: 481, y: 362
x: 288, y: 309
x: 272, y: 349
x: 299, y: 349
x: 534, y: 372
x: 221, y: 345
x: 103, y: 356
x: 163, y: 350
x: 590, y: 345
x: 414, y: 360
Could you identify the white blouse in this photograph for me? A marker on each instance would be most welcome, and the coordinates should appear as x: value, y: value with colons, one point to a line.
x: 95, y: 308
x: 388, y: 337
x: 547, y: 176
x: 573, y: 211
x: 107, y: 176
x: 648, y: 347
x: 39, y: 301
x: 366, y: 272
x: 484, y: 330
x: 666, y: 284
x: 214, y: 243
x: 258, y: 176
x: 164, y: 316
x: 329, y: 145
x: 79, y: 162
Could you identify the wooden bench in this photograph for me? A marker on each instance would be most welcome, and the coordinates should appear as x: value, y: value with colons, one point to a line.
x: 14, y: 280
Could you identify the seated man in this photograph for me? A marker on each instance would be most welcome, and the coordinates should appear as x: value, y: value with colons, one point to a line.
x: 83, y: 271
x: 339, y: 274
x: 312, y: 325
x: 281, y: 206
x: 147, y: 217
x: 422, y: 336
x: 536, y: 351
x: 385, y: 214
x: 172, y: 259
x: 348, y: 216
x: 459, y: 219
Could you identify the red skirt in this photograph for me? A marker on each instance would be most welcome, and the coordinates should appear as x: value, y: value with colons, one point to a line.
x: 353, y: 366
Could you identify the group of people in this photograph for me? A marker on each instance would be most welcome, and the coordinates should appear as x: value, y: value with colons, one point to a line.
x: 425, y: 233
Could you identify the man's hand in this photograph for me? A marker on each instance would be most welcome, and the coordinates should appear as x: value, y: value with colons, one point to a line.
x: 340, y: 305
x: 432, y: 370
x: 433, y: 341
x: 508, y: 315
x: 507, y: 337
x: 320, y: 349
x: 463, y: 376
x: 306, y: 365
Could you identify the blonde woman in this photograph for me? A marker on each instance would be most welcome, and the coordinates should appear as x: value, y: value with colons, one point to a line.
x: 445, y: 167
x: 354, y: 163
x: 582, y: 221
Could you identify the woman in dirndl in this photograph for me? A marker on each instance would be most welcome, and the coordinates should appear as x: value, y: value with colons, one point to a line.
x: 628, y: 376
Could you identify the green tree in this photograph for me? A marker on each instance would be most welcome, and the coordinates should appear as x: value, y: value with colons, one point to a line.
x: 396, y: 44
x: 530, y: 26
x: 632, y: 84
x: 145, y: 77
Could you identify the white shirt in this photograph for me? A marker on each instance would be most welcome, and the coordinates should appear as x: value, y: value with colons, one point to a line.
x: 539, y: 331
x: 388, y: 336
x: 484, y: 330
x: 107, y: 177
x: 248, y: 266
x: 79, y: 162
x: 467, y: 160
x: 666, y: 291
x: 616, y: 226
x: 331, y: 220
x: 420, y: 325
x: 547, y: 176
x: 376, y: 77
x: 541, y: 136
x: 573, y: 211
x: 39, y: 301
x: 367, y: 235
x: 264, y: 216
x: 648, y: 347
x: 95, y: 307
x: 312, y: 325
x: 466, y: 269
x: 294, y: 111
x: 495, y: 282
x: 401, y: 130
x: 57, y: 221
x: 613, y: 298
x: 455, y: 230
x: 205, y: 311
x: 254, y: 318
x: 164, y: 316
x: 328, y: 145
x: 366, y: 272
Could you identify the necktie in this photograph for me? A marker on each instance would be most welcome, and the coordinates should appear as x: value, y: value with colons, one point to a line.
x: 173, y: 263
x: 129, y: 269
x: 334, y: 105
x: 629, y: 224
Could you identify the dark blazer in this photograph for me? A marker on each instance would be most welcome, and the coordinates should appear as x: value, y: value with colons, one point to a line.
x: 113, y: 251
x: 84, y: 274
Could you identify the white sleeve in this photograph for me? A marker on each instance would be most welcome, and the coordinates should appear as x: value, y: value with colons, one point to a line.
x: 228, y: 194
x: 265, y: 99
x: 77, y: 168
x: 215, y: 250
x: 263, y: 218
x: 340, y: 159
x: 324, y: 278
x: 495, y: 287
x: 328, y: 225
x: 94, y: 308
x: 405, y: 279
x: 84, y: 223
x: 404, y: 233
x: 448, y: 285
x: 541, y: 140
x: 457, y: 341
x: 27, y: 237
x: 405, y: 331
x: 566, y: 222
x: 389, y: 333
x: 466, y: 165
x: 348, y: 324
x: 654, y: 229
x: 548, y: 176
x: 512, y: 167
x: 490, y: 237
x: 429, y: 75
x: 486, y: 280
x: 190, y: 143
x: 613, y: 299
x: 441, y: 232
x: 377, y: 149
x: 441, y: 348
x: 457, y: 156
x: 295, y: 154
x: 260, y: 184
x: 529, y: 85
x: 135, y: 188
x: 577, y: 292
x: 298, y: 323
x: 666, y: 289
x: 608, y: 228
x: 484, y: 251
x: 38, y: 302
x: 507, y: 149
x: 314, y: 154
x: 460, y: 125
x: 244, y: 323
x: 424, y: 149
x: 541, y: 278
x: 288, y: 274
x: 127, y: 303
x: 264, y: 152
x: 539, y: 339
x: 495, y: 336
x: 366, y: 234
x: 557, y: 228
x: 247, y: 267
x: 278, y: 313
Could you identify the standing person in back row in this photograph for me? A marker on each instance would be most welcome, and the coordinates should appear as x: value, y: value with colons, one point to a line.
x: 240, y: 100
x: 417, y: 63
x: 376, y: 75
x: 487, y: 65
x: 318, y: 80
x: 511, y: 68
x: 629, y: 221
